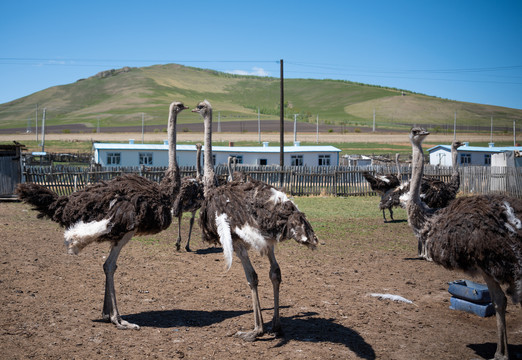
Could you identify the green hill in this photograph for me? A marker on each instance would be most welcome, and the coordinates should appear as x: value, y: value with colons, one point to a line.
x: 119, y: 97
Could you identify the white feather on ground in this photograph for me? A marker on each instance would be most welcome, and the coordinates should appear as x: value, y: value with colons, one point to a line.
x: 392, y: 297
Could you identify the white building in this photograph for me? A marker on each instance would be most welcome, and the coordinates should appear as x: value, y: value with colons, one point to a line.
x: 472, y: 155
x: 130, y: 154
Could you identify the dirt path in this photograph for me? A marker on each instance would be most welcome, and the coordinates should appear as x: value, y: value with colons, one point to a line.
x: 188, y: 306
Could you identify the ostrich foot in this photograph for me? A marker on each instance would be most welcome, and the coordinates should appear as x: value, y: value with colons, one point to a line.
x: 277, y: 331
x: 249, y: 335
x: 120, y: 323
x: 178, y: 246
x: 187, y: 248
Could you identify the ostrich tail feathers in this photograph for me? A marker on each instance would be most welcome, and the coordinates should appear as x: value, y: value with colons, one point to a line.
x: 225, y: 238
x: 40, y: 197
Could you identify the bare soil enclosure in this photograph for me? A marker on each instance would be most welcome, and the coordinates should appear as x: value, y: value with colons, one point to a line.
x: 188, y: 306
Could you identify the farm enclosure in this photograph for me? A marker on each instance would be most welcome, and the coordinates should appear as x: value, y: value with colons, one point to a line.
x: 187, y: 305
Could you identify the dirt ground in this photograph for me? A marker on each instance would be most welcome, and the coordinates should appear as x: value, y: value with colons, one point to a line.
x: 188, y: 306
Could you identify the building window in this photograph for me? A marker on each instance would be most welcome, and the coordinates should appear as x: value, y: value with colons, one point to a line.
x: 145, y: 158
x: 113, y: 158
x: 465, y: 159
x: 263, y: 162
x: 297, y: 160
x: 487, y: 159
x: 239, y: 159
x: 324, y: 160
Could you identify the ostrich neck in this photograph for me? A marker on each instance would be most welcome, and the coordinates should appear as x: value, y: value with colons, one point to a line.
x: 173, y: 165
x: 417, y: 173
x: 454, y: 157
x: 171, y: 182
x: 208, y: 176
x: 398, y: 167
x: 198, y: 162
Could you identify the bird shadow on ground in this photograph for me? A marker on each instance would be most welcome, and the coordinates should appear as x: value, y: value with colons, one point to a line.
x: 487, y: 350
x: 305, y: 327
x: 180, y: 318
x: 396, y: 221
x: 415, y: 259
x: 308, y: 328
x: 210, y: 250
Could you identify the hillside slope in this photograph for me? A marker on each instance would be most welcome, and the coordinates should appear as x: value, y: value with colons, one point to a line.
x: 120, y: 97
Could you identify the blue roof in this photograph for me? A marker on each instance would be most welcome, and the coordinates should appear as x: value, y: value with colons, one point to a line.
x: 229, y: 149
x: 494, y: 149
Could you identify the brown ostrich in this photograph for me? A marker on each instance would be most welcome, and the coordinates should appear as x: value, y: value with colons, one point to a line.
x: 189, y: 199
x: 435, y: 193
x: 382, y: 184
x: 478, y: 235
x: 250, y: 214
x: 112, y: 211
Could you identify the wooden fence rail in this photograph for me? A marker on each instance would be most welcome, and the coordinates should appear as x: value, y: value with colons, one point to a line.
x: 323, y: 180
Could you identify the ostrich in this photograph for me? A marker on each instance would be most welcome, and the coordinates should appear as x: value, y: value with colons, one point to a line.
x: 436, y: 194
x: 478, y: 235
x: 241, y: 215
x: 384, y: 183
x: 112, y: 211
x: 189, y: 199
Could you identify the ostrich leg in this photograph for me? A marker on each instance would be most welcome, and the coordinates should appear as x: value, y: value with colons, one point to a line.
x: 252, y: 280
x: 187, y: 247
x: 178, y: 241
x: 275, y: 276
x: 500, y: 302
x: 110, y: 309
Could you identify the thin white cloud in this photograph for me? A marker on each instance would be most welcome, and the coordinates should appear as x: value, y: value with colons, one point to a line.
x: 256, y: 71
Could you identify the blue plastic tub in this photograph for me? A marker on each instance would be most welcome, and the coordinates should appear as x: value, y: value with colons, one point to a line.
x: 482, y: 310
x: 470, y: 291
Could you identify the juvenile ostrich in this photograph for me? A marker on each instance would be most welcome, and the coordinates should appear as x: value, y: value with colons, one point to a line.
x: 112, y: 211
x: 241, y: 215
x: 478, y: 235
x: 189, y: 199
x: 435, y: 193
x: 382, y: 184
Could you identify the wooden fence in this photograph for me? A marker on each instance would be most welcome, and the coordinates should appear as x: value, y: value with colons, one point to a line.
x: 323, y: 180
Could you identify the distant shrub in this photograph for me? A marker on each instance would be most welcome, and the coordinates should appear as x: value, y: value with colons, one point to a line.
x: 330, y: 130
x: 357, y: 130
x: 186, y: 130
x: 66, y: 131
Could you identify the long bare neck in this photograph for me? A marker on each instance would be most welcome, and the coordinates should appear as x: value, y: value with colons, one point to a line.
x: 208, y: 178
x: 198, y: 162
x: 417, y: 173
x: 454, y: 158
x: 398, y: 166
x: 171, y: 130
x: 171, y: 182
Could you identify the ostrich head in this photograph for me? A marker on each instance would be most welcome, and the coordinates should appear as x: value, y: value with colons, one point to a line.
x: 176, y: 107
x: 456, y: 144
x: 299, y: 229
x: 203, y: 108
x: 417, y: 135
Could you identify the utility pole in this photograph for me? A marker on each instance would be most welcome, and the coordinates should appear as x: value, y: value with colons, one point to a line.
x: 258, y: 126
x: 514, y: 134
x: 219, y: 121
x: 317, y: 130
x: 43, y: 130
x: 491, y: 131
x: 374, y: 120
x: 295, y: 128
x: 36, y: 124
x: 142, y: 127
x: 98, y: 127
x: 455, y: 127
x: 281, y: 126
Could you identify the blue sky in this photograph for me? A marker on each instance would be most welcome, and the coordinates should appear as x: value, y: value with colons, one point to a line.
x: 460, y: 50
